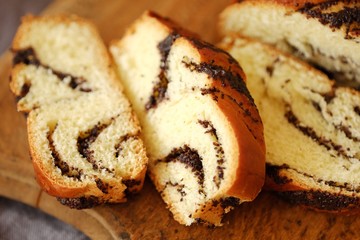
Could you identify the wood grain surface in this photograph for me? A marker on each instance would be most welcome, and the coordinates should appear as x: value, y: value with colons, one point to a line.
x: 145, y: 216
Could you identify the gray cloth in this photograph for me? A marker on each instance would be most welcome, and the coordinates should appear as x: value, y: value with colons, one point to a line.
x: 19, y: 221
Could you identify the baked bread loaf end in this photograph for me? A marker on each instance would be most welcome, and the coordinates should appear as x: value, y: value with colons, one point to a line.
x: 201, y: 127
x: 312, y: 128
x: 84, y: 138
x: 324, y: 33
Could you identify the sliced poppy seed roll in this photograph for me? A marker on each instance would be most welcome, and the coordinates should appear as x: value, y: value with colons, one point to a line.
x: 312, y: 128
x: 84, y: 138
x: 326, y: 33
x: 201, y: 127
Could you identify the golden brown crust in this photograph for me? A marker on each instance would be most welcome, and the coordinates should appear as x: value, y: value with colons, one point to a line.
x: 251, y: 168
x: 46, y: 183
x: 52, y: 188
x: 247, y: 127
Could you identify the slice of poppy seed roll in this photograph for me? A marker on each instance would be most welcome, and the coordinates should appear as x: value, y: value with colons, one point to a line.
x: 312, y: 128
x: 326, y: 33
x: 201, y: 128
x: 83, y: 136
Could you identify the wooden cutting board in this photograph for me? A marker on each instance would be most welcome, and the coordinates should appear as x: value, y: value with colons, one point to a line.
x: 145, y: 216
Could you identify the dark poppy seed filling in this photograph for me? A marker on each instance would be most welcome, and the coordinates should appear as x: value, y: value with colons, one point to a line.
x: 316, y: 106
x: 310, y: 132
x: 347, y: 16
x: 160, y: 88
x: 214, y: 92
x: 273, y: 172
x: 244, y: 111
x: 190, y: 158
x: 28, y: 57
x: 357, y: 110
x: 226, y: 202
x: 339, y: 75
x: 102, y: 186
x: 341, y: 127
x: 204, y: 222
x: 271, y: 68
x: 81, y: 202
x: 65, y: 169
x: 205, y: 45
x: 218, y: 149
x: 321, y: 200
x: 229, y: 202
x: 84, y: 142
x: 347, y: 132
x: 295, y: 50
x: 179, y: 189
x: 131, y: 185
x: 224, y: 75
x: 122, y: 140
x: 24, y: 91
